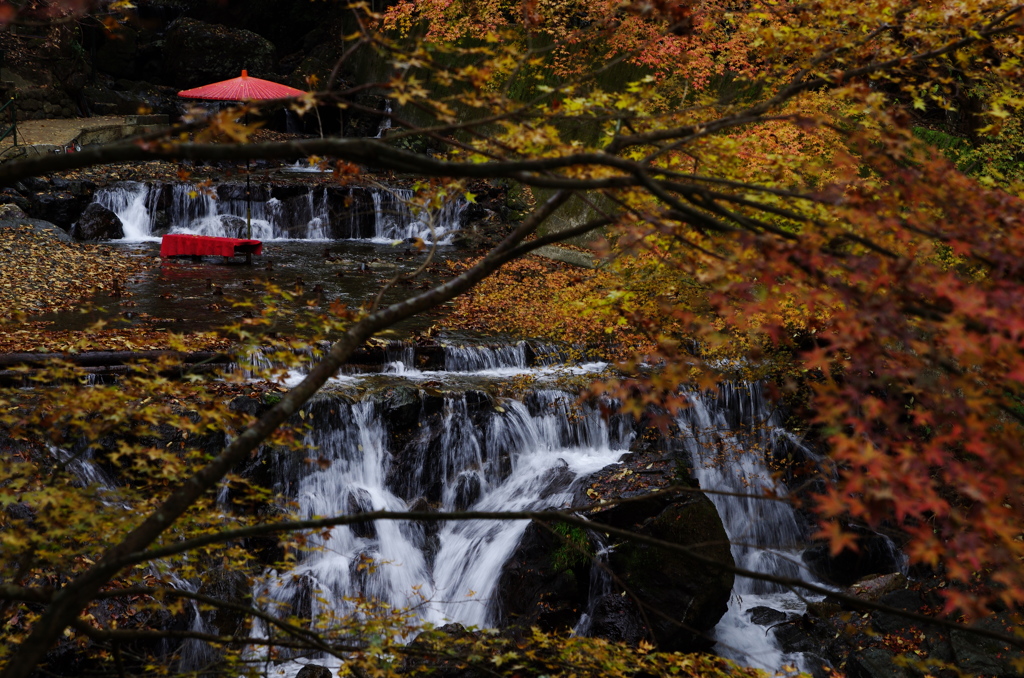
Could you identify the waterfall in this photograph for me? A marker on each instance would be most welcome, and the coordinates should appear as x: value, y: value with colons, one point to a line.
x: 728, y: 435
x: 516, y: 455
x: 130, y: 201
x: 477, y: 358
x: 440, y: 440
x: 275, y: 212
x: 385, y: 123
x: 394, y: 220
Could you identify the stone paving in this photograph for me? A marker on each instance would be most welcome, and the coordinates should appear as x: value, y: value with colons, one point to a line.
x: 50, y: 133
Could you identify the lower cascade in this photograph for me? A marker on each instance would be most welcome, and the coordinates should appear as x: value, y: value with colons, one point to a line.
x: 299, y: 211
x: 412, y: 448
x: 519, y: 455
x: 449, y: 440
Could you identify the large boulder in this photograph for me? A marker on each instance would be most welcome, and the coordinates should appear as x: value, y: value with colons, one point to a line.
x: 58, y: 207
x: 13, y: 219
x: 97, y: 223
x: 875, y: 554
x: 546, y: 581
x: 684, y: 598
x: 314, y: 671
x: 198, y: 53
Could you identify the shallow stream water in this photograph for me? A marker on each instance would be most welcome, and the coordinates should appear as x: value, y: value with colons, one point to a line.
x: 184, y: 295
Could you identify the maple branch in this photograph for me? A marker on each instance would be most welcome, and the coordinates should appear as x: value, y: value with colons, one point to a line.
x: 692, y: 216
x: 369, y: 152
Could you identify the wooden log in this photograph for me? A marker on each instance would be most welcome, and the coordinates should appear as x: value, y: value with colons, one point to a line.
x: 23, y: 379
x: 107, y: 358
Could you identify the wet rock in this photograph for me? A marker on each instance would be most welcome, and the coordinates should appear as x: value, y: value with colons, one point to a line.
x: 616, y: 617
x: 97, y: 223
x: 227, y: 585
x: 359, y: 501
x: 197, y: 53
x: 796, y: 637
x: 977, y: 655
x: 20, y: 511
x: 78, y: 187
x: 161, y: 224
x: 674, y: 586
x: 10, y: 200
x: 247, y: 404
x: 901, y: 599
x: 877, y: 586
x: 38, y: 225
x: 875, y: 554
x: 234, y: 227
x: 766, y: 616
x: 352, y: 213
x: 33, y: 184
x: 467, y: 490
x: 242, y: 191
x: 874, y: 662
x: 58, y: 207
x: 314, y: 671
x: 546, y: 580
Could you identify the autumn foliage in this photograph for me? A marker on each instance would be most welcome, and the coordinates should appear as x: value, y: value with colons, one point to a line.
x: 823, y: 194
x: 797, y: 214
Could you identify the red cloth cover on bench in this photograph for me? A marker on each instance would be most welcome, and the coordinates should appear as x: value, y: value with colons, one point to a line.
x: 183, y: 244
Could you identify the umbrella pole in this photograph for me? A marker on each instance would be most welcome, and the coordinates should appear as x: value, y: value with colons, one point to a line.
x: 248, y: 212
x: 248, y: 202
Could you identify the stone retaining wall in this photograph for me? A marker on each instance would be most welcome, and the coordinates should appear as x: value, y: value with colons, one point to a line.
x: 34, y: 103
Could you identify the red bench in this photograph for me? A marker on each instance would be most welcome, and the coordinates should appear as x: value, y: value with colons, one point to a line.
x: 185, y: 245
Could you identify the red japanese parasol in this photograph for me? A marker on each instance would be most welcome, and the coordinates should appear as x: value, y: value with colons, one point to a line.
x: 242, y: 88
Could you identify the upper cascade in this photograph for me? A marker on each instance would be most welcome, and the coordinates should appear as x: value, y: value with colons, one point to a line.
x: 288, y: 211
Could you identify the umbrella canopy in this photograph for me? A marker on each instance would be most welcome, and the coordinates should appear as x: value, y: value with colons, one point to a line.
x: 242, y: 88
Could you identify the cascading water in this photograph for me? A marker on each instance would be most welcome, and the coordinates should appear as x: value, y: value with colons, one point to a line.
x: 728, y: 435
x: 131, y: 202
x: 463, y: 449
x: 396, y: 221
x: 473, y: 454
x: 385, y: 122
x: 473, y: 358
x: 294, y: 212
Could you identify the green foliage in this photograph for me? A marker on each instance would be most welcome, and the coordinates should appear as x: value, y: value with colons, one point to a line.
x: 576, y: 549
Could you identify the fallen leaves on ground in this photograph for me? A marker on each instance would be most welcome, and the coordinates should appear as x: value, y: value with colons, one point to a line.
x: 40, y: 274
x: 35, y: 337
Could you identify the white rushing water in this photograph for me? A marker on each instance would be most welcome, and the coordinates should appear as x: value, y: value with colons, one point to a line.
x: 385, y: 122
x: 309, y: 213
x: 526, y: 457
x: 519, y: 457
x: 765, y: 535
